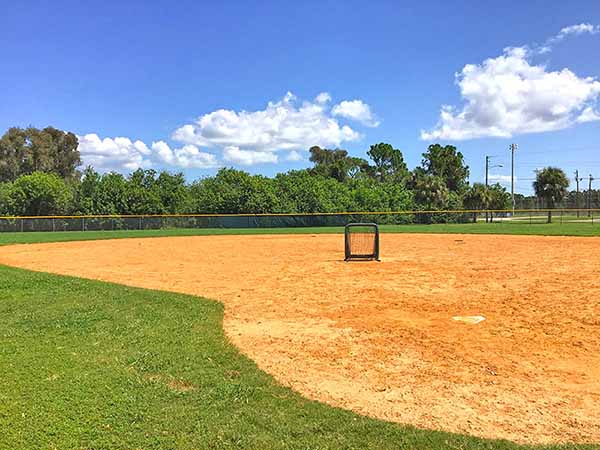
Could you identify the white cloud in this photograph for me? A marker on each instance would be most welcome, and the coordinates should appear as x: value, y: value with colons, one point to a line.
x: 509, y: 95
x: 248, y: 157
x: 282, y: 125
x: 577, y: 29
x: 588, y: 115
x: 119, y: 153
x: 500, y: 178
x: 188, y: 156
x: 566, y: 32
x: 323, y: 97
x: 294, y: 156
x: 356, y: 110
x: 238, y: 137
x: 122, y: 154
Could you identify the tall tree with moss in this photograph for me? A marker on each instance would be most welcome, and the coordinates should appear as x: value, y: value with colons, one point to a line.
x: 551, y: 186
x: 336, y: 164
x: 389, y: 163
x: 25, y: 151
x: 63, y: 150
x: 447, y: 163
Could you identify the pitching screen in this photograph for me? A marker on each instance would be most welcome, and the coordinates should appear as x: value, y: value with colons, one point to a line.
x: 361, y: 241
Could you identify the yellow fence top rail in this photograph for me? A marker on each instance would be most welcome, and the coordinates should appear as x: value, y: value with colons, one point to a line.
x: 341, y: 213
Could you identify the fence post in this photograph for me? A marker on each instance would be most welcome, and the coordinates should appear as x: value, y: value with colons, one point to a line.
x: 22, y: 225
x: 83, y: 224
x: 140, y: 223
x: 53, y: 226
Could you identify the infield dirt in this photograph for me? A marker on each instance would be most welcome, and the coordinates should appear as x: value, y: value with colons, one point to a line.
x: 379, y: 338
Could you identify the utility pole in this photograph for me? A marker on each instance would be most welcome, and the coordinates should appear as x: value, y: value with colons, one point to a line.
x: 577, y: 180
x: 488, y: 167
x: 589, y: 199
x: 512, y: 148
x: 487, y: 171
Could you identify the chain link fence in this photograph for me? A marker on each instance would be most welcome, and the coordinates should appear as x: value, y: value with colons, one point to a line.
x: 155, y: 222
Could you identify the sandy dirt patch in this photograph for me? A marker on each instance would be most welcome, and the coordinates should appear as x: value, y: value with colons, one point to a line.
x: 379, y: 338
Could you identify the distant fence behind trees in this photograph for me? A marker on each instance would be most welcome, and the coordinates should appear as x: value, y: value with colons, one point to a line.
x: 167, y: 221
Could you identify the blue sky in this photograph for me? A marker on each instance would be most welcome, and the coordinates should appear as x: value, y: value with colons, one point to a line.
x: 195, y: 86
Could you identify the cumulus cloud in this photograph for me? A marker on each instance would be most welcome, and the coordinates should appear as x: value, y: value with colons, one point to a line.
x: 323, y: 97
x: 187, y: 157
x: 356, y: 110
x: 282, y: 125
x: 286, y: 127
x: 113, y: 154
x: 589, y: 114
x: 294, y: 156
x: 123, y: 154
x: 234, y: 155
x: 510, y: 95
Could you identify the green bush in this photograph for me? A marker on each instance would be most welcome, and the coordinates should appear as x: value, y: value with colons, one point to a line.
x: 41, y: 194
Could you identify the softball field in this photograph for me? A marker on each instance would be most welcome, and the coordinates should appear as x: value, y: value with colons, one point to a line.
x: 383, y: 338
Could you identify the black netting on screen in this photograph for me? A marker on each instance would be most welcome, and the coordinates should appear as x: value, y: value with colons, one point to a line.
x: 361, y: 241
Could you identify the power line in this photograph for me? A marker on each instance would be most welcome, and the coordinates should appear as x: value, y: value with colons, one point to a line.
x: 524, y: 183
x: 563, y: 150
x: 580, y: 161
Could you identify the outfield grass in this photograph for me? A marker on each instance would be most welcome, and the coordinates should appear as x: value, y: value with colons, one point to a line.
x: 92, y: 365
x: 553, y: 229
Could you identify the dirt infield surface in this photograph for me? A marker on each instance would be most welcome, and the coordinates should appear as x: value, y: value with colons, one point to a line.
x: 379, y: 338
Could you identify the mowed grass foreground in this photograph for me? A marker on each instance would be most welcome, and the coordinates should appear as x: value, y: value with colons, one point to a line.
x: 92, y: 365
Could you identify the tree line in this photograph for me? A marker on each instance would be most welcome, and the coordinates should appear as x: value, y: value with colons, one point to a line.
x: 39, y: 176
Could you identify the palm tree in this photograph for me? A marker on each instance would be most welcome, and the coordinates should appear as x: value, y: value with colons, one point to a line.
x: 551, y: 185
x: 430, y: 193
x: 477, y: 198
x: 499, y: 198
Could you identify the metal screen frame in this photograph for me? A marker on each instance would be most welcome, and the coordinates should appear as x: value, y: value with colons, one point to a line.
x: 348, y: 256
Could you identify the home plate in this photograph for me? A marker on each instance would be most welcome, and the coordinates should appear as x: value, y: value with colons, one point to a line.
x: 469, y: 319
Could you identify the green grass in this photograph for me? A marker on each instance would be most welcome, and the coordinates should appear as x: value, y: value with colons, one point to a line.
x: 517, y: 227
x: 92, y: 365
